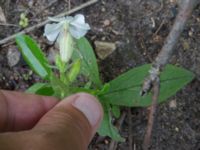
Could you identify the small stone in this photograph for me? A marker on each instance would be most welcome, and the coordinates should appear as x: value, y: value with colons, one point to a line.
x: 13, y: 56
x: 176, y: 129
x: 103, y: 38
x: 172, y: 104
x: 30, y: 3
x: 198, y: 19
x: 106, y: 23
x: 104, y: 49
x: 190, y: 33
x: 157, y: 39
x: 106, y: 142
x: 103, y: 2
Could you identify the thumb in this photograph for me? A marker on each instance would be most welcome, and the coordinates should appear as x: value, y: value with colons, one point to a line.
x: 71, y: 123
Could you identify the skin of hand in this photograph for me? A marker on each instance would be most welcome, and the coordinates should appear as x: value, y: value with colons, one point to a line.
x: 35, y: 122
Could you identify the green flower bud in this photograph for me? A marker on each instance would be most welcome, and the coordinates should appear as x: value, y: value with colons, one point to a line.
x: 66, y: 45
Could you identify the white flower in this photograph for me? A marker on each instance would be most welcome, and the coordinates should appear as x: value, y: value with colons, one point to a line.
x: 63, y: 32
x: 76, y: 26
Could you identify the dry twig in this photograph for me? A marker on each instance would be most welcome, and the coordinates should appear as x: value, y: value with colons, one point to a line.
x: 47, y: 21
x: 147, y: 138
x: 69, y: 4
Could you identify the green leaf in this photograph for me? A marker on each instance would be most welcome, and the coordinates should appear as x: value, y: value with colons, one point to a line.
x: 33, y: 55
x: 88, y: 85
x: 74, y: 71
x: 115, y: 111
x: 60, y: 89
x: 41, y: 89
x: 88, y: 61
x: 104, y: 89
x: 60, y: 64
x: 125, y: 89
x: 106, y: 128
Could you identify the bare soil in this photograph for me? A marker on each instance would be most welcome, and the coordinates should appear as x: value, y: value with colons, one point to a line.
x: 138, y: 28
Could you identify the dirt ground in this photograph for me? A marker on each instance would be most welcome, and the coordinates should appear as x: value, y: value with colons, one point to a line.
x: 138, y: 28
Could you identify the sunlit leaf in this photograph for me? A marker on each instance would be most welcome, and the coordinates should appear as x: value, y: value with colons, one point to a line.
x: 33, y: 55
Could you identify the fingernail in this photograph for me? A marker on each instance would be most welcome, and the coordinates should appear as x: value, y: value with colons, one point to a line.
x: 90, y: 107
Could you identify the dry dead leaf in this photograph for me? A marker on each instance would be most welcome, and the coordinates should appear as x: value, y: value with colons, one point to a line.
x: 104, y: 49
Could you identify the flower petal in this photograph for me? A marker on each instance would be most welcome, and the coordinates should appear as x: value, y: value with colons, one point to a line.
x: 69, y: 18
x: 51, y: 31
x: 77, y: 32
x: 78, y: 28
x: 79, y: 18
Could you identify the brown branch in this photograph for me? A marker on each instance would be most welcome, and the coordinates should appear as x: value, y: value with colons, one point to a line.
x: 163, y: 57
x: 47, y: 21
x: 152, y: 114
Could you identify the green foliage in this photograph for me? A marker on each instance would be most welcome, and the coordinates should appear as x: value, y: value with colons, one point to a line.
x: 104, y: 89
x: 61, y: 66
x: 41, y: 89
x: 33, y: 56
x: 89, y: 65
x: 61, y: 89
x: 107, y: 128
x: 74, y: 71
x: 172, y: 79
x: 122, y: 91
x: 115, y: 111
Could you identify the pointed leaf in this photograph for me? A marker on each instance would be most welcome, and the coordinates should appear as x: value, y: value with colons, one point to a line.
x: 74, y: 71
x: 88, y: 61
x: 106, y: 128
x: 115, y: 111
x: 125, y: 89
x: 41, y: 89
x: 33, y: 55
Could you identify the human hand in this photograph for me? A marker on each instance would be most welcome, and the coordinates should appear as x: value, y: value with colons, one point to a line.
x: 42, y: 123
